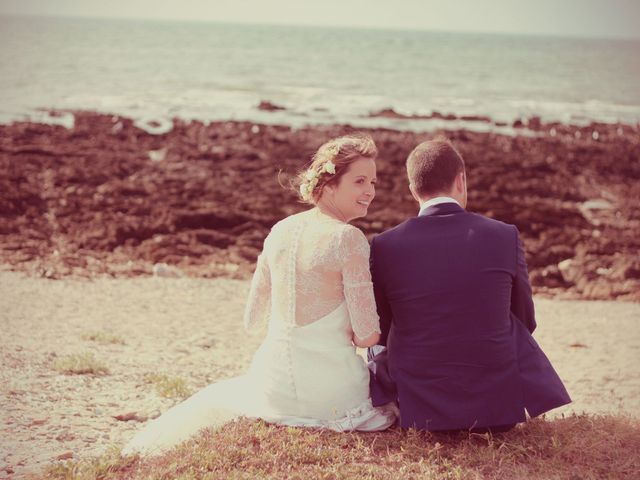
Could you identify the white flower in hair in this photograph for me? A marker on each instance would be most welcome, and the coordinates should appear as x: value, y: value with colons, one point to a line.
x: 333, y: 150
x: 312, y: 176
x: 307, y: 187
x: 329, y: 167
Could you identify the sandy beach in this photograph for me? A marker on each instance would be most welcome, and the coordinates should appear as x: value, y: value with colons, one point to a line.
x: 191, y: 329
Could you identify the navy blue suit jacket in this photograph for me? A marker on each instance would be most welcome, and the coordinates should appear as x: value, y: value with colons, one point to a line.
x: 456, y: 314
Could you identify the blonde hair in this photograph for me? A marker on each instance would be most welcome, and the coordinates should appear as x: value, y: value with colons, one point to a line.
x: 342, y: 152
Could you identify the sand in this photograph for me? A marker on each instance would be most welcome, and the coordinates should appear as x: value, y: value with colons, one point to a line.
x: 191, y: 329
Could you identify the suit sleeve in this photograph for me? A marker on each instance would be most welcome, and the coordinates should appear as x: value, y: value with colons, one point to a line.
x: 382, y: 304
x: 521, y: 296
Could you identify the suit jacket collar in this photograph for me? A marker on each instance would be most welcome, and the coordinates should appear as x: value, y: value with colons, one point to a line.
x: 449, y: 208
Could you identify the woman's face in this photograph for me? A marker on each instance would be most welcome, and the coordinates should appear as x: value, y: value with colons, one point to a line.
x: 354, y: 191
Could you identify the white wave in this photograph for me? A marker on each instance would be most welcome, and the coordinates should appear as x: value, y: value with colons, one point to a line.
x: 591, y: 110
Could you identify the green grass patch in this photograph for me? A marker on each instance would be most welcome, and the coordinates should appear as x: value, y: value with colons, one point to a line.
x: 169, y: 387
x: 104, y: 338
x: 584, y: 447
x: 103, y: 467
x: 80, y: 364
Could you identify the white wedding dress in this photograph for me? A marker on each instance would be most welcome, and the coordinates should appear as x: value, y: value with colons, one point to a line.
x: 312, y: 283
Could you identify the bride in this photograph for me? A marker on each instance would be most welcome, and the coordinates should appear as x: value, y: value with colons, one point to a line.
x: 312, y: 284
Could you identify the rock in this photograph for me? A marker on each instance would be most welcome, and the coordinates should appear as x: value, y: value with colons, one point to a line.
x: 65, y: 456
x: 565, y: 265
x: 440, y: 116
x: 157, y: 155
x: 598, y: 291
x: 631, y: 272
x: 166, y: 271
x: 214, y: 238
x: 130, y: 416
x: 386, y: 113
x: 551, y: 276
x: 475, y: 118
x: 269, y: 107
x: 208, y: 343
x: 208, y: 219
x: 106, y: 198
x: 534, y: 123
x: 596, y: 204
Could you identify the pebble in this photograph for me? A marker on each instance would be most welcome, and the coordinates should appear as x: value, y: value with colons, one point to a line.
x: 65, y: 456
x: 126, y: 417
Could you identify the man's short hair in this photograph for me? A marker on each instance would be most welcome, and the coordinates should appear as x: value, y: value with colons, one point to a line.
x: 432, y: 167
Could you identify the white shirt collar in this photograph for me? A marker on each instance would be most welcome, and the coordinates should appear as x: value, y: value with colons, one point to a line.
x: 436, y: 201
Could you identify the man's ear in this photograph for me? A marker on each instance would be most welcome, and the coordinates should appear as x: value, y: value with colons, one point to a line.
x: 414, y: 194
x: 459, y: 183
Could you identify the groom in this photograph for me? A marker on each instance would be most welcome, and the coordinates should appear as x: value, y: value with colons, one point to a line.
x: 456, y: 311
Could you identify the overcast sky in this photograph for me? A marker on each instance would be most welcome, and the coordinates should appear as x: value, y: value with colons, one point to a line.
x: 592, y: 18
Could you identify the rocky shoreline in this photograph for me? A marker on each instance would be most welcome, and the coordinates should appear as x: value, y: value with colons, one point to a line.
x: 107, y: 198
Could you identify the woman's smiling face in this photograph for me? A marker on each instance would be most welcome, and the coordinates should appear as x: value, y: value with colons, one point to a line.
x: 354, y: 191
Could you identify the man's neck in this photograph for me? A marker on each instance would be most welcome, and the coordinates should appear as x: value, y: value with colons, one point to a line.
x: 437, y: 201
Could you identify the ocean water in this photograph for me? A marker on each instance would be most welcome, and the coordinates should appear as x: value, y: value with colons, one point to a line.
x: 155, y: 71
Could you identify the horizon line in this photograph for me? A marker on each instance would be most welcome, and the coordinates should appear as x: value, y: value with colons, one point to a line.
x: 570, y: 36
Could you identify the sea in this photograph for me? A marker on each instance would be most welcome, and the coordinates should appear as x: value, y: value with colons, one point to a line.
x: 155, y: 71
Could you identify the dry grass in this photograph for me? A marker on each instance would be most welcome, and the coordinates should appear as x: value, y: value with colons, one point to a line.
x: 169, y: 387
x: 104, y: 338
x: 80, y: 364
x: 577, y: 447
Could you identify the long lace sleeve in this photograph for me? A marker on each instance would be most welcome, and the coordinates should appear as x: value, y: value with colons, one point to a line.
x: 259, y: 300
x: 356, y: 278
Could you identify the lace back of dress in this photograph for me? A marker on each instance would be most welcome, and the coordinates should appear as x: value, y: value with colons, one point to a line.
x: 290, y: 273
x: 306, y: 279
x: 311, y: 265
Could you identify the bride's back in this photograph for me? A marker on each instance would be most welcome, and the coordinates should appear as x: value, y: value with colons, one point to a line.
x: 306, y: 270
x: 312, y: 264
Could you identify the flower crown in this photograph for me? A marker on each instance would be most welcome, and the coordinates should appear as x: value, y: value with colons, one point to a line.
x: 312, y: 175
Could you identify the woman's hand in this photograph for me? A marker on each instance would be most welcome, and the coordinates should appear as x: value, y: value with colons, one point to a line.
x: 366, y: 342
